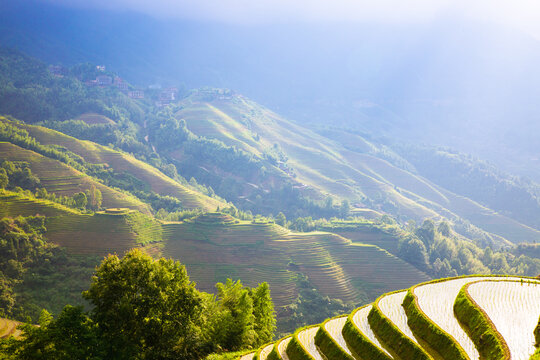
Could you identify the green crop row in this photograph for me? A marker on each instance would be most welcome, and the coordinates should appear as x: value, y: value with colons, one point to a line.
x: 359, y: 343
x: 486, y: 338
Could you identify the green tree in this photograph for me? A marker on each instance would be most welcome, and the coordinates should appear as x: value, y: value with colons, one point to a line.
x: 80, y: 200
x: 146, y: 308
x: 73, y: 335
x: 94, y: 197
x: 263, y: 313
x: 234, y: 329
x: 344, y: 209
x: 444, y: 228
x: 4, y: 179
x: 427, y: 233
x: 281, y: 219
x: 414, y: 251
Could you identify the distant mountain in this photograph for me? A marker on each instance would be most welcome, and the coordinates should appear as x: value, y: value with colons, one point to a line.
x: 452, y: 82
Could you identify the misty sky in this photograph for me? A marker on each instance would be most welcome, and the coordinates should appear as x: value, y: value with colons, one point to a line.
x: 520, y: 14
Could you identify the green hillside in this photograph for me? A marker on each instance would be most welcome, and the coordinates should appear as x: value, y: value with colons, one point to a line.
x: 124, y: 163
x: 62, y: 179
x: 316, y: 161
x: 98, y: 234
x: 364, y: 175
x: 215, y: 246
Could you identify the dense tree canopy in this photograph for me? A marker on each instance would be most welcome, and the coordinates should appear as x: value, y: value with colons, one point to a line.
x: 144, y: 308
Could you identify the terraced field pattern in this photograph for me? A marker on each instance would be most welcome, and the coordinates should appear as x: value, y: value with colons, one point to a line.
x: 215, y: 247
x: 463, y: 318
x: 61, y: 179
x: 101, y: 233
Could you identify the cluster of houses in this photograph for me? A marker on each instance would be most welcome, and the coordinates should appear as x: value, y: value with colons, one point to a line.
x: 165, y: 96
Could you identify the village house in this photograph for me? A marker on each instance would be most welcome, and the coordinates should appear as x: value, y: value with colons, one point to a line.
x: 136, y: 94
x: 167, y: 96
x: 104, y: 80
x: 120, y: 83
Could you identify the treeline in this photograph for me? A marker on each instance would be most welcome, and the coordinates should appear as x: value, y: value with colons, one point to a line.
x: 143, y: 308
x: 437, y: 250
x: 463, y: 174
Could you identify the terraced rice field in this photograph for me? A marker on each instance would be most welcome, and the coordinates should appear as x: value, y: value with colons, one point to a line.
x: 436, y: 300
x: 390, y: 306
x: 214, y: 247
x: 93, y: 119
x: 62, y: 179
x: 247, y: 356
x: 498, y: 299
x: 101, y: 233
x: 14, y: 204
x: 510, y: 305
x: 334, y: 328
x: 125, y: 163
x: 282, y: 348
x: 307, y: 339
x: 360, y: 319
x: 265, y: 351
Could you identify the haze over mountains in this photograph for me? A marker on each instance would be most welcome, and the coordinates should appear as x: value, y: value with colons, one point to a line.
x: 448, y: 81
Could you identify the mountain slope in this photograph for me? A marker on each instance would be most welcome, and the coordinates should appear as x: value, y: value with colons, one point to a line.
x: 319, y: 166
x: 62, y: 179
x: 215, y: 246
x: 124, y: 163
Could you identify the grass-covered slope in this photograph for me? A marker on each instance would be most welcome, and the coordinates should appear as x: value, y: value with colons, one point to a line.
x: 101, y: 233
x: 322, y: 166
x: 125, y: 163
x: 317, y: 161
x: 215, y: 246
x: 504, y: 312
x: 62, y: 179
